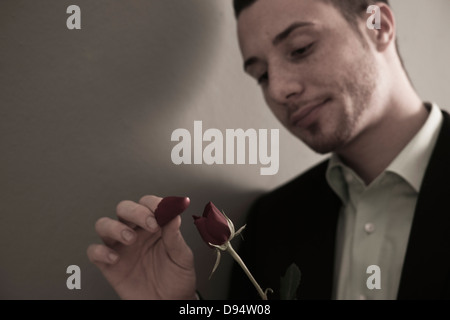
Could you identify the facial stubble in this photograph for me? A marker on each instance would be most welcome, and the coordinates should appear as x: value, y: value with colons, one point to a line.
x: 354, y: 90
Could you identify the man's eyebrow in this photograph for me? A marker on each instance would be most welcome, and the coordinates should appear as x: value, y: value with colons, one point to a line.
x: 280, y: 37
x: 284, y: 34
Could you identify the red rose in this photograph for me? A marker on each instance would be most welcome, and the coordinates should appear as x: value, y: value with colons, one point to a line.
x: 217, y: 230
x: 213, y: 226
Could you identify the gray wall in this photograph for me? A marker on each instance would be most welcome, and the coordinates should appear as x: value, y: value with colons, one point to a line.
x: 87, y: 115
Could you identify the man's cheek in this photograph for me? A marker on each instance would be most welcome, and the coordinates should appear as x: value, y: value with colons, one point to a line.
x: 280, y: 112
x: 327, y: 119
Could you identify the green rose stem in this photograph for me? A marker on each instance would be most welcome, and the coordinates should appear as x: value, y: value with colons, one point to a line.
x: 238, y: 259
x: 218, y: 233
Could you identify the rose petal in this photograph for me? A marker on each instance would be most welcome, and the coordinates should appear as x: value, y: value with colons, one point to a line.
x: 170, y: 207
x: 200, y: 223
x: 216, y: 223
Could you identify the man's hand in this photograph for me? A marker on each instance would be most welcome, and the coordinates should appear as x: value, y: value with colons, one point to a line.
x: 140, y: 259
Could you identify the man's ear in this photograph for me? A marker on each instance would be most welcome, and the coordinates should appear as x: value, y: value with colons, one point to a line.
x: 383, y: 36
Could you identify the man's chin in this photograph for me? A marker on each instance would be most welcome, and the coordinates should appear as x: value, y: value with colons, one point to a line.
x: 325, y: 137
x: 320, y: 143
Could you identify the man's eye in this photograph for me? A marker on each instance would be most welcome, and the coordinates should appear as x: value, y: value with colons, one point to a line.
x: 263, y: 78
x: 300, y: 52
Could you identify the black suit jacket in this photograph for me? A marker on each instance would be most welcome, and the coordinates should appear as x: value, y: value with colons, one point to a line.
x: 297, y: 223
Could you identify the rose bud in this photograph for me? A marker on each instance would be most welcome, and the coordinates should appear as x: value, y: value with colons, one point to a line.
x: 217, y: 230
x: 170, y: 207
x: 213, y: 226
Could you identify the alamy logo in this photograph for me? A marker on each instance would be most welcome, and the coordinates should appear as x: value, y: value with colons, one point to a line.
x: 374, y: 280
x: 74, y: 21
x: 374, y: 21
x: 74, y: 280
x: 230, y: 148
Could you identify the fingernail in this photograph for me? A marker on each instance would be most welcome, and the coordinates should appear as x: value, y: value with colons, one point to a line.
x: 127, y: 235
x: 151, y: 223
x: 113, y: 257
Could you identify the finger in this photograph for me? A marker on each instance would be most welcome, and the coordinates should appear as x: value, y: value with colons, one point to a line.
x: 151, y: 202
x: 128, y: 223
x: 112, y: 230
x: 175, y: 244
x: 137, y: 214
x: 100, y: 254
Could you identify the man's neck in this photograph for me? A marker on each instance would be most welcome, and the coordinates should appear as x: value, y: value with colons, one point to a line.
x: 375, y: 148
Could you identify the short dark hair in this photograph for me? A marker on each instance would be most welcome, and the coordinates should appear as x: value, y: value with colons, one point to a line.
x: 350, y: 8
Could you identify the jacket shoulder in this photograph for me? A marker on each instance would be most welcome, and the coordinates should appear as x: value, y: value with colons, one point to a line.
x: 311, y: 183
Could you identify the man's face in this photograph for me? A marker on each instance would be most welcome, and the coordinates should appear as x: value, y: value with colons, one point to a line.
x: 316, y: 73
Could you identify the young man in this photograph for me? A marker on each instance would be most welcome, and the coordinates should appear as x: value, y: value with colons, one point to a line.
x: 340, y: 87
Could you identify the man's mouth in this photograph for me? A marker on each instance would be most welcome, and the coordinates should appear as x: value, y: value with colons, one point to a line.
x: 306, y: 115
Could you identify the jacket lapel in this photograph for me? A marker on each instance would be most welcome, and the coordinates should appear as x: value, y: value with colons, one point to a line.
x: 317, y: 259
x: 426, y: 269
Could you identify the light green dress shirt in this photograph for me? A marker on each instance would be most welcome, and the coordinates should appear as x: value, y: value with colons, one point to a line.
x: 375, y: 220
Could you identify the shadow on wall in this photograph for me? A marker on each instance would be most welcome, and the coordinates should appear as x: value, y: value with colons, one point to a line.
x: 69, y: 103
x: 138, y: 50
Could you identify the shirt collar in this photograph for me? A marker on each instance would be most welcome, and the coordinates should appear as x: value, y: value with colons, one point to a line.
x: 413, y: 160
x: 410, y: 163
x: 335, y: 177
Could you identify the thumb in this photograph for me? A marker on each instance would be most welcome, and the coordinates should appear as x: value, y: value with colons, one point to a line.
x: 176, y: 247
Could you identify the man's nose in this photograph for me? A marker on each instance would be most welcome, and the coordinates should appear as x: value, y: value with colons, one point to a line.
x: 285, y: 86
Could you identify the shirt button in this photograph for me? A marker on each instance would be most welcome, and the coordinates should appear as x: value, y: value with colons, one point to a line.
x: 369, y: 227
